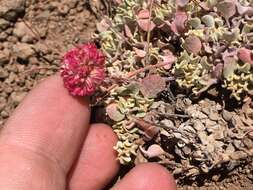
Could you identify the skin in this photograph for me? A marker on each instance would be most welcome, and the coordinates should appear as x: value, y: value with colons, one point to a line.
x: 48, y: 144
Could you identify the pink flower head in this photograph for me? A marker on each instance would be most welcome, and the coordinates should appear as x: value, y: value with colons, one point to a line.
x: 83, y: 70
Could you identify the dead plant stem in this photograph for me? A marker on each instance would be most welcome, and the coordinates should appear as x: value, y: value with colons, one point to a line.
x: 148, y: 67
x: 149, y: 32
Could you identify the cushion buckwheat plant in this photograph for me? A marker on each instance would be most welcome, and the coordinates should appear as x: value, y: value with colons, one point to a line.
x: 163, y: 61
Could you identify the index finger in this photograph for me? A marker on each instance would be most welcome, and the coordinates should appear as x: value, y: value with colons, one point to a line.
x: 49, y: 121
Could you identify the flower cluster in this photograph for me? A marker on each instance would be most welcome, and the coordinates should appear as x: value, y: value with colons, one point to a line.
x: 83, y: 70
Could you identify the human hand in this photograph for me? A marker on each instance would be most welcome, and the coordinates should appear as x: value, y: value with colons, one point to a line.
x: 48, y: 144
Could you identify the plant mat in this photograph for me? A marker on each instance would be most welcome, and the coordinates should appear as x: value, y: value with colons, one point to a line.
x: 179, y: 84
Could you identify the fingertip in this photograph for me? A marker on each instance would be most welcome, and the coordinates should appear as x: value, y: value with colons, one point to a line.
x: 104, y: 132
x: 158, y: 174
x: 147, y: 176
x: 97, y: 159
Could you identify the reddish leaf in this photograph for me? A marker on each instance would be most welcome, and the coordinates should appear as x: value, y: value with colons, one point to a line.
x: 140, y: 53
x: 143, y: 14
x: 168, y: 58
x: 193, y: 44
x: 117, y: 1
x: 103, y: 25
x: 227, y: 8
x: 245, y: 55
x: 151, y: 85
x: 217, y: 71
x: 153, y: 151
x: 244, y: 10
x: 182, y: 3
x: 178, y: 24
x: 146, y: 25
x: 128, y: 31
x: 114, y: 113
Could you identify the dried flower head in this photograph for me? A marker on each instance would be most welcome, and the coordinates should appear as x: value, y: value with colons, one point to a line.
x: 82, y: 69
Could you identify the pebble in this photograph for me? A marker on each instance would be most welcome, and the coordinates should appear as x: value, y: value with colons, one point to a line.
x: 3, y: 36
x: 4, y: 114
x: 22, y: 32
x: 42, y: 48
x: 238, y: 155
x: 250, y: 134
x: 4, y: 57
x: 248, y: 142
x: 17, y: 97
x: 3, y: 73
x: 198, y: 125
x: 72, y: 3
x: 12, y: 77
x: 12, y: 39
x: 2, y: 103
x: 4, y: 24
x: 63, y: 9
x: 214, y: 116
x: 33, y: 60
x: 12, y: 9
x: 24, y: 51
x: 227, y: 116
x: 9, y: 30
x: 215, y: 178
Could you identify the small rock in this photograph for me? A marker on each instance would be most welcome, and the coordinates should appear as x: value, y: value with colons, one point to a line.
x: 168, y: 123
x: 42, y: 48
x: 12, y: 9
x: 248, y: 143
x: 238, y: 155
x: 33, y: 60
x: 198, y: 125
x: 50, y: 7
x: 12, y: 39
x: 72, y: 3
x: 3, y: 73
x: 28, y: 39
x: 17, y: 97
x: 63, y: 9
x: 227, y: 116
x: 215, y: 178
x: 22, y: 32
x: 187, y: 150
x: 9, y: 31
x: 214, y: 116
x: 4, y: 57
x: 24, y: 51
x: 4, y: 24
x: 11, y: 78
x: 4, y: 114
x: 3, y: 36
x: 250, y: 135
x: 8, y: 89
x: 2, y: 103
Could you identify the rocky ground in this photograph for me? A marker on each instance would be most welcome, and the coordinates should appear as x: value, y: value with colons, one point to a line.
x: 33, y: 36
x: 26, y: 55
